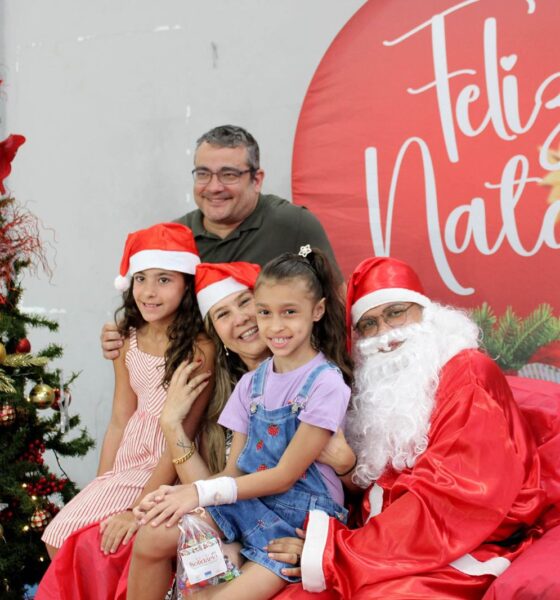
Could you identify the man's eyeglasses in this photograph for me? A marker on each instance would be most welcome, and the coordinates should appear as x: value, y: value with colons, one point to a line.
x: 225, y: 176
x: 393, y: 316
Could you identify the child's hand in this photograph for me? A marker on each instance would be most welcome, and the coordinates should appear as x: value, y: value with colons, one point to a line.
x: 111, y: 341
x: 116, y: 529
x: 177, y: 501
x: 183, y: 390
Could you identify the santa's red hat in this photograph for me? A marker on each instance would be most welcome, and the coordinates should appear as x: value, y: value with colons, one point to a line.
x: 215, y: 281
x: 379, y: 280
x: 164, y: 246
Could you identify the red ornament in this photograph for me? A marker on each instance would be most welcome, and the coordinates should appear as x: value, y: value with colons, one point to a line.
x: 273, y: 430
x: 7, y: 415
x: 23, y: 346
x: 262, y: 468
x: 40, y: 519
x: 34, y: 454
x: 260, y: 445
x: 55, y: 405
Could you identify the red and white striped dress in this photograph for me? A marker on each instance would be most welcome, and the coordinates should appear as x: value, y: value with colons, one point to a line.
x: 141, y: 447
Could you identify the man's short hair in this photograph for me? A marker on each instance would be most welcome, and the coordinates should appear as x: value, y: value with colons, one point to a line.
x: 231, y: 136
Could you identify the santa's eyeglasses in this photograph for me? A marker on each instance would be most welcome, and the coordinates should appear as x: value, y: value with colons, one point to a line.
x: 393, y: 316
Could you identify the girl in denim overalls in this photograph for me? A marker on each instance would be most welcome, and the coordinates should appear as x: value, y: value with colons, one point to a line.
x: 282, y: 416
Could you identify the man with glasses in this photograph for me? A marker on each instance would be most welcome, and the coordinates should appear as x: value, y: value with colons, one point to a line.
x: 234, y: 220
x: 450, y: 467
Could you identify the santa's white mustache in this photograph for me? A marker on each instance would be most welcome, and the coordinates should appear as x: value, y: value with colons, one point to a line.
x: 387, y: 342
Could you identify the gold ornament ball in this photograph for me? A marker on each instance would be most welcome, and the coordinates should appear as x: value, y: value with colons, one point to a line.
x: 2, y: 353
x: 42, y: 396
x: 40, y: 519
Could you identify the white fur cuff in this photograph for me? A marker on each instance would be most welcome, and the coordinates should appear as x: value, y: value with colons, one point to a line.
x: 213, y: 492
x: 312, y: 576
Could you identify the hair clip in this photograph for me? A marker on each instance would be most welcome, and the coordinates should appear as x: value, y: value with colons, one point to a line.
x: 304, y: 250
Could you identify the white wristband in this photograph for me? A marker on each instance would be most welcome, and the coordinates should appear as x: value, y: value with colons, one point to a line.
x: 213, y: 492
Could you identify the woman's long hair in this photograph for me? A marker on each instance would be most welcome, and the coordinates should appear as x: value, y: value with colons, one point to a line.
x: 228, y: 370
x: 329, y: 333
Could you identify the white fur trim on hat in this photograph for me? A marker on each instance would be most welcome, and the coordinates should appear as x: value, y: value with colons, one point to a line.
x: 213, y: 293
x: 380, y: 297
x: 184, y: 262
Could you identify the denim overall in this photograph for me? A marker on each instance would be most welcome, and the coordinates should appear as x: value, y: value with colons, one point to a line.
x: 255, y: 522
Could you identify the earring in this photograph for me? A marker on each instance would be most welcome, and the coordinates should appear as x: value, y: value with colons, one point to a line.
x: 226, y: 350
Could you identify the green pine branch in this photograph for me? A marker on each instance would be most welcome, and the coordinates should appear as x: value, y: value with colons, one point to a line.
x: 51, y: 351
x: 38, y: 321
x: 486, y: 320
x: 511, y: 340
x: 6, y: 384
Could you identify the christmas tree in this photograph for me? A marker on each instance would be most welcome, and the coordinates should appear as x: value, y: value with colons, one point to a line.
x: 30, y: 494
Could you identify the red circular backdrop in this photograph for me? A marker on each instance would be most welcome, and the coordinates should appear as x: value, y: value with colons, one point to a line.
x: 420, y: 137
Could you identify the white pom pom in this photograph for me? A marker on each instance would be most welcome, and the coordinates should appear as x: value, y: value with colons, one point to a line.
x: 122, y: 283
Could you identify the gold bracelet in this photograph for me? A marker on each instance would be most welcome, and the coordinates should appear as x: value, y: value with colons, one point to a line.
x: 185, y: 457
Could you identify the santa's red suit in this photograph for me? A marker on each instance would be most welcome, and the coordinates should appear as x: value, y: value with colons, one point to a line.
x: 448, y: 526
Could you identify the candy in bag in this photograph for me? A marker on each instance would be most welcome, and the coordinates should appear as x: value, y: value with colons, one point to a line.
x: 200, y: 557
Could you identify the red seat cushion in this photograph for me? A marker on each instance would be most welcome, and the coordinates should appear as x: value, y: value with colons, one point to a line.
x: 535, y: 575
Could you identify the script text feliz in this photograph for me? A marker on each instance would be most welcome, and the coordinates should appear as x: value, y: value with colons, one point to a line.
x: 503, y: 114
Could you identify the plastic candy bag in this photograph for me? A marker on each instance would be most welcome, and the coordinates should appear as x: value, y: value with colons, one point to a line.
x: 200, y: 558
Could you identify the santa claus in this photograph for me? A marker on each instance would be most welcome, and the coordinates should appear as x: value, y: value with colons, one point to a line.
x: 449, y: 466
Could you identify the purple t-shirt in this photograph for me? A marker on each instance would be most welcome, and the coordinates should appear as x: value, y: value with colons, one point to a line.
x: 326, y: 405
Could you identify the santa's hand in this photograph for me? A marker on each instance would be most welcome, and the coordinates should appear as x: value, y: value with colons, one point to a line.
x: 288, y: 550
x: 178, y: 501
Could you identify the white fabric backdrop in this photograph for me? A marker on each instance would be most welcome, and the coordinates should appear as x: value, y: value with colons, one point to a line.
x: 111, y: 97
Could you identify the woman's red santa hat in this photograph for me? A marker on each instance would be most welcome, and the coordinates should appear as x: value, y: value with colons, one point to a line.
x: 214, y: 281
x: 380, y: 280
x: 167, y: 246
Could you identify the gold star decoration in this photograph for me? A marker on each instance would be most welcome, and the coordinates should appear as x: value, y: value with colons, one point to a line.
x: 553, y: 177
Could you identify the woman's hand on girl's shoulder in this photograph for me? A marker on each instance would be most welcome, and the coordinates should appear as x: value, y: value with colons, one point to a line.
x: 184, y: 388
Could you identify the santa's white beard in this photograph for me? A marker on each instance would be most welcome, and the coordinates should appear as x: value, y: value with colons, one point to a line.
x: 389, y: 419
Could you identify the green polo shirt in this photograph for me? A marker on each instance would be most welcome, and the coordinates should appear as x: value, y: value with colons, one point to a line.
x: 274, y: 227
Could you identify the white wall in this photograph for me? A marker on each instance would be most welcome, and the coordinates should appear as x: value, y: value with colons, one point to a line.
x: 111, y: 96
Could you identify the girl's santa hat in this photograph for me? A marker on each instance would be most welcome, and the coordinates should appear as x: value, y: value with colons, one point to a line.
x: 167, y: 246
x: 380, y: 280
x: 214, y: 281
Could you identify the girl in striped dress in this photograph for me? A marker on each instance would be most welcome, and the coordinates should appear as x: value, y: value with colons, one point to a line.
x: 163, y: 327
